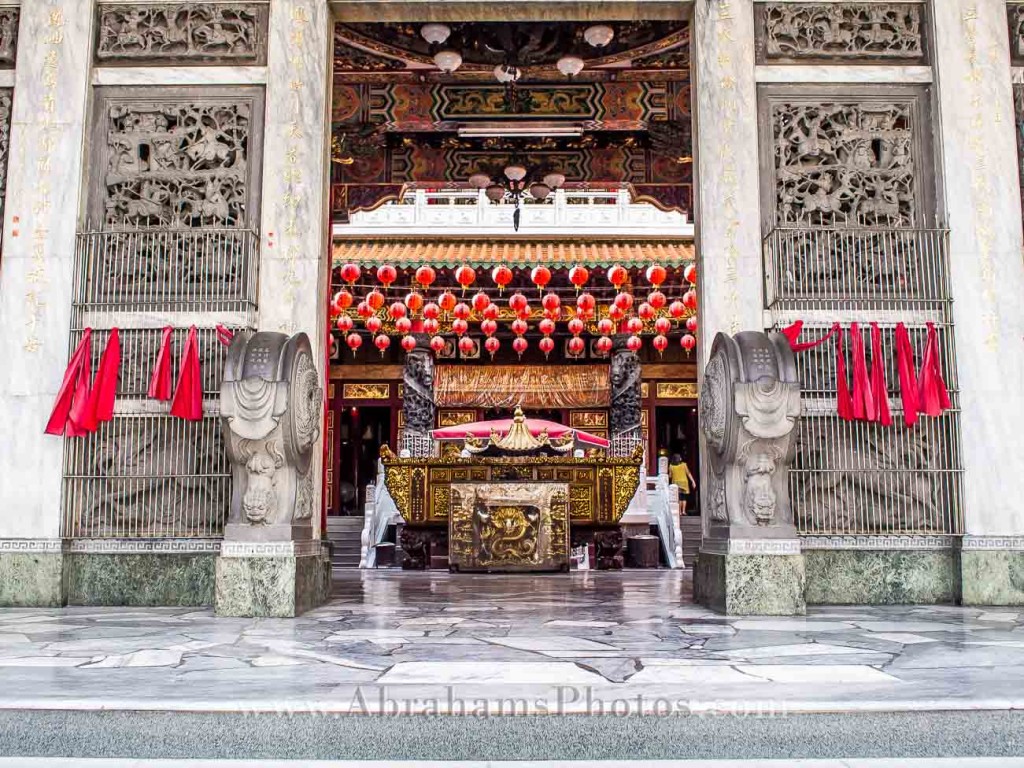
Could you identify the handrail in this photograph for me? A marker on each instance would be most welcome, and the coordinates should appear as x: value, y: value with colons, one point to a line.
x: 380, y: 512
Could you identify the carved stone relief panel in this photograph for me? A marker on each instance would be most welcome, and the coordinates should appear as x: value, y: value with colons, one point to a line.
x: 790, y: 32
x: 182, y: 33
x: 1015, y: 20
x: 9, y: 20
x: 6, y: 103
x: 853, y: 157
x: 168, y: 157
x: 1018, y: 111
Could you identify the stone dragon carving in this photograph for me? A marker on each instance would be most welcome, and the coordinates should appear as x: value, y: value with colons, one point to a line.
x: 271, y: 405
x: 418, y: 397
x: 624, y: 418
x: 6, y: 95
x: 843, y: 31
x: 750, y: 406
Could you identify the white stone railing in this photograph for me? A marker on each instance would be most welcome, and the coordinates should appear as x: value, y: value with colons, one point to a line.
x: 380, y: 512
x: 663, y: 507
x: 469, y: 212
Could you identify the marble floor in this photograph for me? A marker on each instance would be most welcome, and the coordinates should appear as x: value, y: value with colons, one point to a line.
x: 501, y: 644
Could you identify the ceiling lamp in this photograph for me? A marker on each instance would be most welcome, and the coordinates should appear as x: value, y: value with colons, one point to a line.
x: 515, y: 172
x: 495, y: 192
x: 554, y: 180
x: 598, y: 35
x: 514, y: 184
x: 539, y: 190
x: 448, y: 60
x: 435, y: 34
x: 480, y: 180
x: 507, y: 73
x: 570, y: 66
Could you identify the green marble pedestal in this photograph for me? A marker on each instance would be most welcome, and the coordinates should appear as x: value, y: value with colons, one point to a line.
x: 31, y: 573
x: 281, y: 580
x: 992, y: 570
x: 751, y: 578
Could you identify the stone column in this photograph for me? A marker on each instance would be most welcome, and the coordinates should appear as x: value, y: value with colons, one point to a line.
x: 418, y: 401
x: 44, y: 189
x: 625, y: 413
x: 982, y: 192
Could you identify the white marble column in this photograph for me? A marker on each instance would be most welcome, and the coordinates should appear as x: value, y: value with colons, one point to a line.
x: 727, y: 199
x: 44, y: 192
x: 982, y: 192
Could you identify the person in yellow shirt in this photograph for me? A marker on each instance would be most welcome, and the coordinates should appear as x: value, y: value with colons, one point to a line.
x: 680, y: 476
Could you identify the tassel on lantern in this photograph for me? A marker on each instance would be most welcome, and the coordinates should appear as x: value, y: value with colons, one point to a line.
x: 908, y: 379
x: 73, y: 396
x: 188, y: 394
x: 933, y: 395
x: 160, y: 381
x: 863, y: 403
x: 879, y: 387
x: 104, y: 388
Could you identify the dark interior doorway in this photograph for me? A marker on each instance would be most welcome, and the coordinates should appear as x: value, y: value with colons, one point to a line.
x: 361, y: 433
x: 676, y: 433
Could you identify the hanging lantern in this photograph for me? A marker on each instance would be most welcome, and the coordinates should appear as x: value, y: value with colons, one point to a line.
x: 502, y: 276
x: 585, y: 302
x: 342, y: 300
x: 519, y: 326
x: 382, y: 342
x: 364, y: 309
x: 576, y: 345
x: 645, y: 311
x: 657, y: 299
x: 426, y: 276
x: 691, y: 324
x: 553, y: 314
x: 397, y: 310
x: 547, y: 344
x: 616, y: 313
x: 462, y: 311
x: 437, y: 344
x: 350, y: 273
x: 431, y: 326
x: 635, y: 325
x: 578, y: 276
x: 414, y: 301
x: 375, y: 299
x: 690, y: 274
x: 403, y: 325
x: 605, y: 326
x: 633, y: 344
x: 677, y: 309
x: 344, y: 323
x: 489, y: 327
x: 624, y: 301
x: 408, y: 343
x: 660, y: 343
x: 576, y: 326
x: 604, y: 345
x: 354, y: 341
x: 518, y: 303
x: 519, y: 345
x: 459, y: 326
x: 687, y: 342
x: 481, y: 301
x: 465, y: 276
x: 387, y: 274
x: 431, y: 311
x: 540, y: 276
x: 491, y: 311
x: 374, y: 324
x: 467, y: 346
x: 617, y: 275
x: 447, y: 301
x: 546, y: 326
x: 656, y: 274
x: 551, y: 302
x: 663, y: 325
x: 492, y: 345
x: 690, y: 299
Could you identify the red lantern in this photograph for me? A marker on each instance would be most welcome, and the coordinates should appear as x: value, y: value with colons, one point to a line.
x: 344, y: 323
x: 633, y: 344
x: 617, y: 275
x: 576, y: 326
x: 546, y: 345
x: 375, y: 299
x: 462, y: 311
x: 403, y: 325
x: 467, y: 346
x: 465, y: 276
x: 382, y: 342
x: 578, y: 276
x: 364, y: 310
x: 663, y: 325
x: 656, y: 274
x: 677, y: 309
x: 576, y: 346
x: 342, y: 300
x: 426, y: 276
x: 540, y: 276
x: 657, y: 299
x: 491, y: 311
x: 447, y: 301
x: 616, y: 313
x: 553, y: 314
x: 624, y: 301
x: 437, y: 344
x: 635, y: 325
x: 604, y: 345
x: 431, y: 326
x: 397, y: 309
x: 519, y: 345
x: 660, y: 343
x: 585, y: 302
x: 489, y: 327
x: 518, y: 303
x: 645, y: 311
x: 687, y: 342
x: 431, y: 311
x: 387, y: 274
x: 354, y: 341
x: 551, y: 302
x: 546, y: 326
x: 691, y: 324
x: 519, y: 326
x: 408, y: 343
x: 414, y: 301
x: 605, y: 326
x: 690, y: 274
x: 350, y: 273
x: 373, y: 324
x: 459, y: 326
x: 492, y: 345
x: 690, y: 299
x: 481, y: 301
x: 502, y: 276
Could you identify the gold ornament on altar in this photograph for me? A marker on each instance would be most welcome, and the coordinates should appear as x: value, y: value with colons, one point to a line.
x: 519, y: 439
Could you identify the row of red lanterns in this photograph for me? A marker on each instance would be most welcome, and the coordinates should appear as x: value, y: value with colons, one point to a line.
x: 546, y: 345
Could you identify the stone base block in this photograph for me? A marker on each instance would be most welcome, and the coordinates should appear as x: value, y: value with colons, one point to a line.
x: 992, y: 576
x: 141, y: 579
x: 881, y: 577
x: 31, y: 579
x: 750, y: 585
x: 276, y: 586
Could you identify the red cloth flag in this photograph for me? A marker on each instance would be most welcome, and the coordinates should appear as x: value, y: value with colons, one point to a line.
x: 792, y: 333
x: 863, y: 402
x: 104, y: 388
x: 879, y: 387
x: 933, y: 395
x: 160, y: 381
x: 188, y: 394
x: 225, y: 335
x: 908, y: 378
x: 68, y: 415
x: 844, y: 403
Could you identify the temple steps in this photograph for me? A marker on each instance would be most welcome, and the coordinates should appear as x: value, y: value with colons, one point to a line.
x: 344, y: 533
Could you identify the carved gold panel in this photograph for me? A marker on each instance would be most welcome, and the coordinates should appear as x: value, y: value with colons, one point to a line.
x: 401, y: 419
x: 644, y: 418
x: 588, y: 419
x: 676, y: 390
x: 455, y: 418
x: 376, y: 391
x: 330, y: 391
x: 546, y: 473
x: 440, y: 475
x: 401, y: 389
x: 645, y: 389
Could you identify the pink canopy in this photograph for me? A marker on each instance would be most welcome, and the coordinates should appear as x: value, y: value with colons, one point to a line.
x: 482, y: 429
